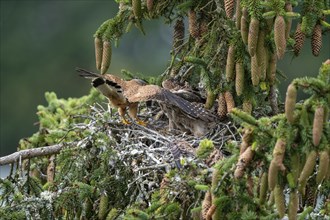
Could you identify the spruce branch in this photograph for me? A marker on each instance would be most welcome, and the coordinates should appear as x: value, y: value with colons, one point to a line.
x: 35, y: 152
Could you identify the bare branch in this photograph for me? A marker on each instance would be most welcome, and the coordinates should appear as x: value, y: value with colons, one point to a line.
x: 34, y: 152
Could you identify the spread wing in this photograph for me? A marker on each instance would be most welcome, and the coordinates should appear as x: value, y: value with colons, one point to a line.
x: 153, y: 92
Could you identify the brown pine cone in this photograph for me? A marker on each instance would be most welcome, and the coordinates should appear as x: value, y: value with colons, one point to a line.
x: 318, y: 125
x: 193, y: 24
x: 261, y: 54
x: 229, y: 8
x: 230, y: 64
x: 244, y: 25
x: 253, y: 36
x: 98, y: 52
x: 255, y: 71
x: 206, y: 204
x: 323, y: 167
x: 279, y: 201
x: 229, y: 101
x: 290, y: 102
x: 299, y: 38
x: 238, y: 14
x: 222, y: 107
x: 106, y: 56
x: 316, y: 40
x: 279, y: 36
x: 239, y: 81
x: 293, y: 204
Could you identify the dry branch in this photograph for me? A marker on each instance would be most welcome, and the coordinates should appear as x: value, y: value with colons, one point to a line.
x: 35, y: 152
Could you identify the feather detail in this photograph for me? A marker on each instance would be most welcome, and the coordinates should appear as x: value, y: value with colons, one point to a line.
x: 87, y: 74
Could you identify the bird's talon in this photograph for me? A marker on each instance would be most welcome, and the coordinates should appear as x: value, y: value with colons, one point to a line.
x: 140, y: 122
x: 125, y: 122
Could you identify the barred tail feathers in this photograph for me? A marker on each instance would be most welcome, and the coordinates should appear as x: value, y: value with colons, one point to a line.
x: 190, y: 108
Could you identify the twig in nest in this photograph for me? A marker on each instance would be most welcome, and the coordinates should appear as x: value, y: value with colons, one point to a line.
x: 158, y: 166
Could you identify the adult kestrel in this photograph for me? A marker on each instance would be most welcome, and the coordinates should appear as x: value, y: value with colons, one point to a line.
x: 127, y: 94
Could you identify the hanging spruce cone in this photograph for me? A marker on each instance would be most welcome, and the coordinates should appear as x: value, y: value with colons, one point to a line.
x: 307, y: 171
x: 261, y: 50
x: 253, y: 36
x: 222, y: 107
x: 206, y: 204
x: 150, y: 5
x: 323, y: 167
x: 193, y: 24
x: 249, y: 185
x: 288, y: 8
x: 290, y: 102
x: 229, y: 8
x: 229, y: 101
x: 230, y: 64
x: 246, y: 140
x: 299, y: 38
x: 239, y: 81
x: 279, y: 36
x: 98, y: 52
x: 263, y: 188
x: 279, y: 152
x: 255, y: 76
x: 106, y: 56
x: 318, y: 125
x: 272, y: 175
x: 244, y: 25
x: 316, y: 40
x: 210, y: 212
x: 178, y: 35
x: 293, y: 205
x: 261, y: 55
x: 238, y: 15
x: 279, y: 200
x: 276, y: 163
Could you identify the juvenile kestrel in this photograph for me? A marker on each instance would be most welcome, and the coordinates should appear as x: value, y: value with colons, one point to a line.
x: 127, y: 94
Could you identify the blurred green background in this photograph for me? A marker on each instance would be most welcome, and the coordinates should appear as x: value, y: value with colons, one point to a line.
x: 41, y: 43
